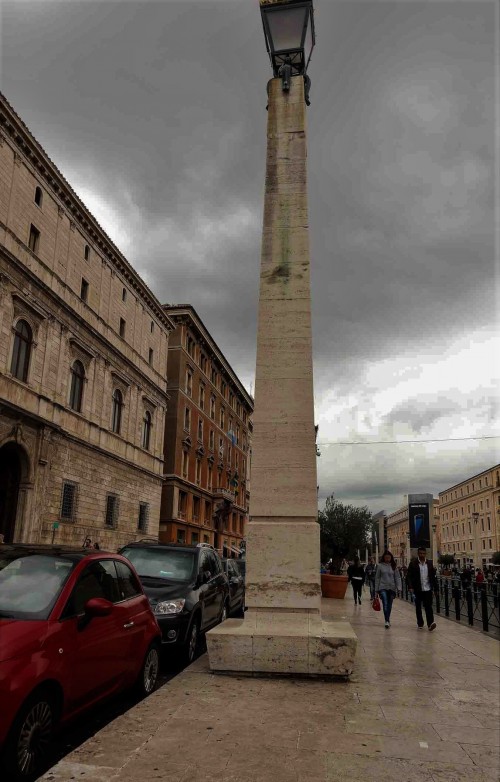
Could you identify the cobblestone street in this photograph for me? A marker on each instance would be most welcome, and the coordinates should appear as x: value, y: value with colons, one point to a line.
x: 420, y: 707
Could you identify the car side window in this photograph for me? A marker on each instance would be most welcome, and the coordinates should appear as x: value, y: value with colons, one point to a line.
x: 128, y: 585
x: 211, y: 563
x: 217, y: 564
x: 203, y: 565
x: 99, y: 579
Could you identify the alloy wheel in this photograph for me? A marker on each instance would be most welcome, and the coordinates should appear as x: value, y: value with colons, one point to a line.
x: 34, y: 737
x: 193, y: 642
x: 151, y: 668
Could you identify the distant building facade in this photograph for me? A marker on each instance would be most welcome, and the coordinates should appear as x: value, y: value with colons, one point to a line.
x: 207, y: 441
x: 470, y: 518
x: 83, y: 357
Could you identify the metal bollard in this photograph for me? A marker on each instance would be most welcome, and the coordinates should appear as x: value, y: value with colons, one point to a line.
x: 446, y: 600
x: 484, y: 609
x: 470, y: 607
x: 456, y: 597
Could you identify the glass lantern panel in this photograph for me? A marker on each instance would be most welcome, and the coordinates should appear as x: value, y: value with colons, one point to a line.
x: 286, y: 27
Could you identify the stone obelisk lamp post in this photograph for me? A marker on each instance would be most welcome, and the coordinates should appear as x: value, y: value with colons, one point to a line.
x: 282, y: 632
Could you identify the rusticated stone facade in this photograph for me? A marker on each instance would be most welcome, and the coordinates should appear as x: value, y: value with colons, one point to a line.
x: 83, y: 357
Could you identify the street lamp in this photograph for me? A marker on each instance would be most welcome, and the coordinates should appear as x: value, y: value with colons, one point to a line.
x: 283, y: 631
x: 434, y: 549
x: 290, y: 38
x: 475, y: 518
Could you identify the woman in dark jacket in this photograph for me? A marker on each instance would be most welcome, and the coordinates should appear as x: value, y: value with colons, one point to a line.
x: 356, y: 575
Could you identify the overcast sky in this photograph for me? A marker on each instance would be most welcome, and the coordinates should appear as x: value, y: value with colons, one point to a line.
x: 155, y: 113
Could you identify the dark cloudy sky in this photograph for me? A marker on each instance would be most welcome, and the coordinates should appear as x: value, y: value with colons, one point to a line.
x: 155, y: 112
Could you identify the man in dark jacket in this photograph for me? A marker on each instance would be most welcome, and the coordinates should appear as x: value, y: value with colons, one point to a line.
x: 356, y: 575
x: 422, y: 581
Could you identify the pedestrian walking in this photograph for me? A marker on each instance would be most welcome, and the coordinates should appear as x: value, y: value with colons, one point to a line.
x: 356, y: 575
x: 387, y: 584
x: 422, y: 581
x: 370, y: 576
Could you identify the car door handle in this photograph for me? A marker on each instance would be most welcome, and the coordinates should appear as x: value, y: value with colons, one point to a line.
x: 128, y: 624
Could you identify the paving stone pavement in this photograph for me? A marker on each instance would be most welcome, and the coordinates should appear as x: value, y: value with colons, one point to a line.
x: 420, y: 707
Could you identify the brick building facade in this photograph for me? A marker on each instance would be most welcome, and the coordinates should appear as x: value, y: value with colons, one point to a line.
x: 83, y: 356
x: 207, y: 441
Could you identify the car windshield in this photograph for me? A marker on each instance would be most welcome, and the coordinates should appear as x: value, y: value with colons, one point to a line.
x: 31, y: 583
x: 168, y: 564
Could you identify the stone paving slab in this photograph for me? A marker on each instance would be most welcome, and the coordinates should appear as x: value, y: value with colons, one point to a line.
x: 420, y: 707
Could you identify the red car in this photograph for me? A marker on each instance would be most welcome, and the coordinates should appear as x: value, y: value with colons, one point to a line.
x: 75, y: 627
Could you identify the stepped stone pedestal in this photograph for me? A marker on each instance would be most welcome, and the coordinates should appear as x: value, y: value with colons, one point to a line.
x: 283, y: 632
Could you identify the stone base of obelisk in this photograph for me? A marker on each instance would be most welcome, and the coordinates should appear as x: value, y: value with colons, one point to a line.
x: 283, y: 632
x: 282, y: 643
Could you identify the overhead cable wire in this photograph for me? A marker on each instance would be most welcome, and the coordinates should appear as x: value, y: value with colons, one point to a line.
x: 402, y: 442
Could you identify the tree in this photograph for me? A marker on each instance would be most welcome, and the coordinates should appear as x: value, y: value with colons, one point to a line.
x: 495, y: 559
x: 343, y: 530
x: 446, y: 559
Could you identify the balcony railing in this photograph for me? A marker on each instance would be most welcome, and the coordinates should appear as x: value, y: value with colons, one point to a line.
x: 477, y: 604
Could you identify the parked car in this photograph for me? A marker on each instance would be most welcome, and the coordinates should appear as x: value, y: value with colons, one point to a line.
x: 236, y: 586
x: 75, y: 628
x: 187, y: 588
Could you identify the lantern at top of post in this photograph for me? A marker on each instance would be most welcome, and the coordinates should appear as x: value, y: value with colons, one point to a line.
x: 289, y: 32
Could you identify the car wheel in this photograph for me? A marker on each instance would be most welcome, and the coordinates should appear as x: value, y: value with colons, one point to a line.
x: 148, y: 676
x: 192, y: 641
x: 30, y: 736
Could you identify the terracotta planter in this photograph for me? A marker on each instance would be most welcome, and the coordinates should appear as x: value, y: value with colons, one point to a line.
x: 333, y: 586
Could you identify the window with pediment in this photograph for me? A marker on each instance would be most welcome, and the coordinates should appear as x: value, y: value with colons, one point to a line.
x: 117, y: 407
x: 23, y: 340
x: 77, y: 383
x: 147, y: 426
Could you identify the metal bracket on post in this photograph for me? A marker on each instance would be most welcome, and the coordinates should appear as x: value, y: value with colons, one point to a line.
x: 285, y: 72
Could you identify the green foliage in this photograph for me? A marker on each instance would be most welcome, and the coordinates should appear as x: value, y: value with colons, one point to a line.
x: 446, y: 559
x: 495, y: 559
x: 343, y: 530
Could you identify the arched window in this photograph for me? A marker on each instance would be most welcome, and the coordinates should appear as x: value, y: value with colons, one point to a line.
x: 77, y: 379
x: 23, y: 339
x: 116, y: 420
x: 146, y: 430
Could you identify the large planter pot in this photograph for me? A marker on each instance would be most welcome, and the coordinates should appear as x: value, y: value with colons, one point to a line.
x: 333, y: 586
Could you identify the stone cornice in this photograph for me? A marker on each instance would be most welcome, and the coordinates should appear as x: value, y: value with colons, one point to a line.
x: 185, y: 314
x: 12, y: 127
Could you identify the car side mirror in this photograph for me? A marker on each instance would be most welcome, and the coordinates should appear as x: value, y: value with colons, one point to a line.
x: 207, y: 575
x: 98, y: 606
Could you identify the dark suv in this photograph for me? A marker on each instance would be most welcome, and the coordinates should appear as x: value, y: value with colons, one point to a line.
x: 186, y: 587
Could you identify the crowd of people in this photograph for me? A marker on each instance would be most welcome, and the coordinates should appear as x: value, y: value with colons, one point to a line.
x: 385, y: 581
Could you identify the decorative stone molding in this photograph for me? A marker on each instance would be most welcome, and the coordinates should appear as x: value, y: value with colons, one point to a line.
x: 186, y: 444
x: 120, y: 381
x: 60, y: 211
x: 149, y: 404
x: 81, y: 352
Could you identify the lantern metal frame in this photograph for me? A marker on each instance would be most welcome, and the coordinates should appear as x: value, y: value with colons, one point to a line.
x: 295, y: 57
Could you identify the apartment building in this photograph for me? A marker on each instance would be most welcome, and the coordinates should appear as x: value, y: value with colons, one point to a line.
x: 207, y: 441
x: 470, y: 518
x: 83, y: 360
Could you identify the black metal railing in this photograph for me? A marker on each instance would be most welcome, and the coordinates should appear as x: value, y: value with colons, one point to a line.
x: 478, y: 604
